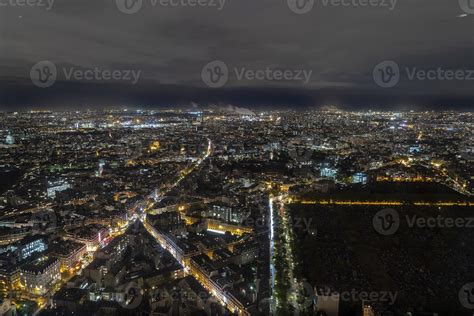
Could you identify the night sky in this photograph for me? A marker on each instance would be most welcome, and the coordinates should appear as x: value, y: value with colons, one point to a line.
x: 171, y: 45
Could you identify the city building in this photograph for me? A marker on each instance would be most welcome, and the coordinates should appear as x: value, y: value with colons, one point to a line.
x: 29, y: 245
x: 360, y: 177
x: 90, y: 235
x: 9, y: 140
x: 68, y: 252
x: 55, y: 186
x: 40, y: 275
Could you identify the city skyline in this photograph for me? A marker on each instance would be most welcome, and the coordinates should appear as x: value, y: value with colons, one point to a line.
x: 236, y: 157
x: 226, y: 211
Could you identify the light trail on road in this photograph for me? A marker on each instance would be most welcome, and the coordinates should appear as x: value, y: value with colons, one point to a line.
x: 272, y: 259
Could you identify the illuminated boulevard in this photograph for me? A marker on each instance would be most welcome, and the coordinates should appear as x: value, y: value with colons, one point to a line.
x: 162, y: 240
x: 284, y: 284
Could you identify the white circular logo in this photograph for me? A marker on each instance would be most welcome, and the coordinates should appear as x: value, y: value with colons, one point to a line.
x: 386, y: 74
x: 467, y: 6
x: 466, y: 295
x: 386, y: 222
x: 300, y: 6
x: 129, y: 6
x: 43, y: 74
x: 215, y: 74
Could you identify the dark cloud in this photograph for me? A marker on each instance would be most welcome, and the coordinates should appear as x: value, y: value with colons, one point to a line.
x: 170, y: 45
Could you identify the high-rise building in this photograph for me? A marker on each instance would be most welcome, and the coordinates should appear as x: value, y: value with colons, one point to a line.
x: 100, y: 170
x: 359, y: 177
x: 9, y: 140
